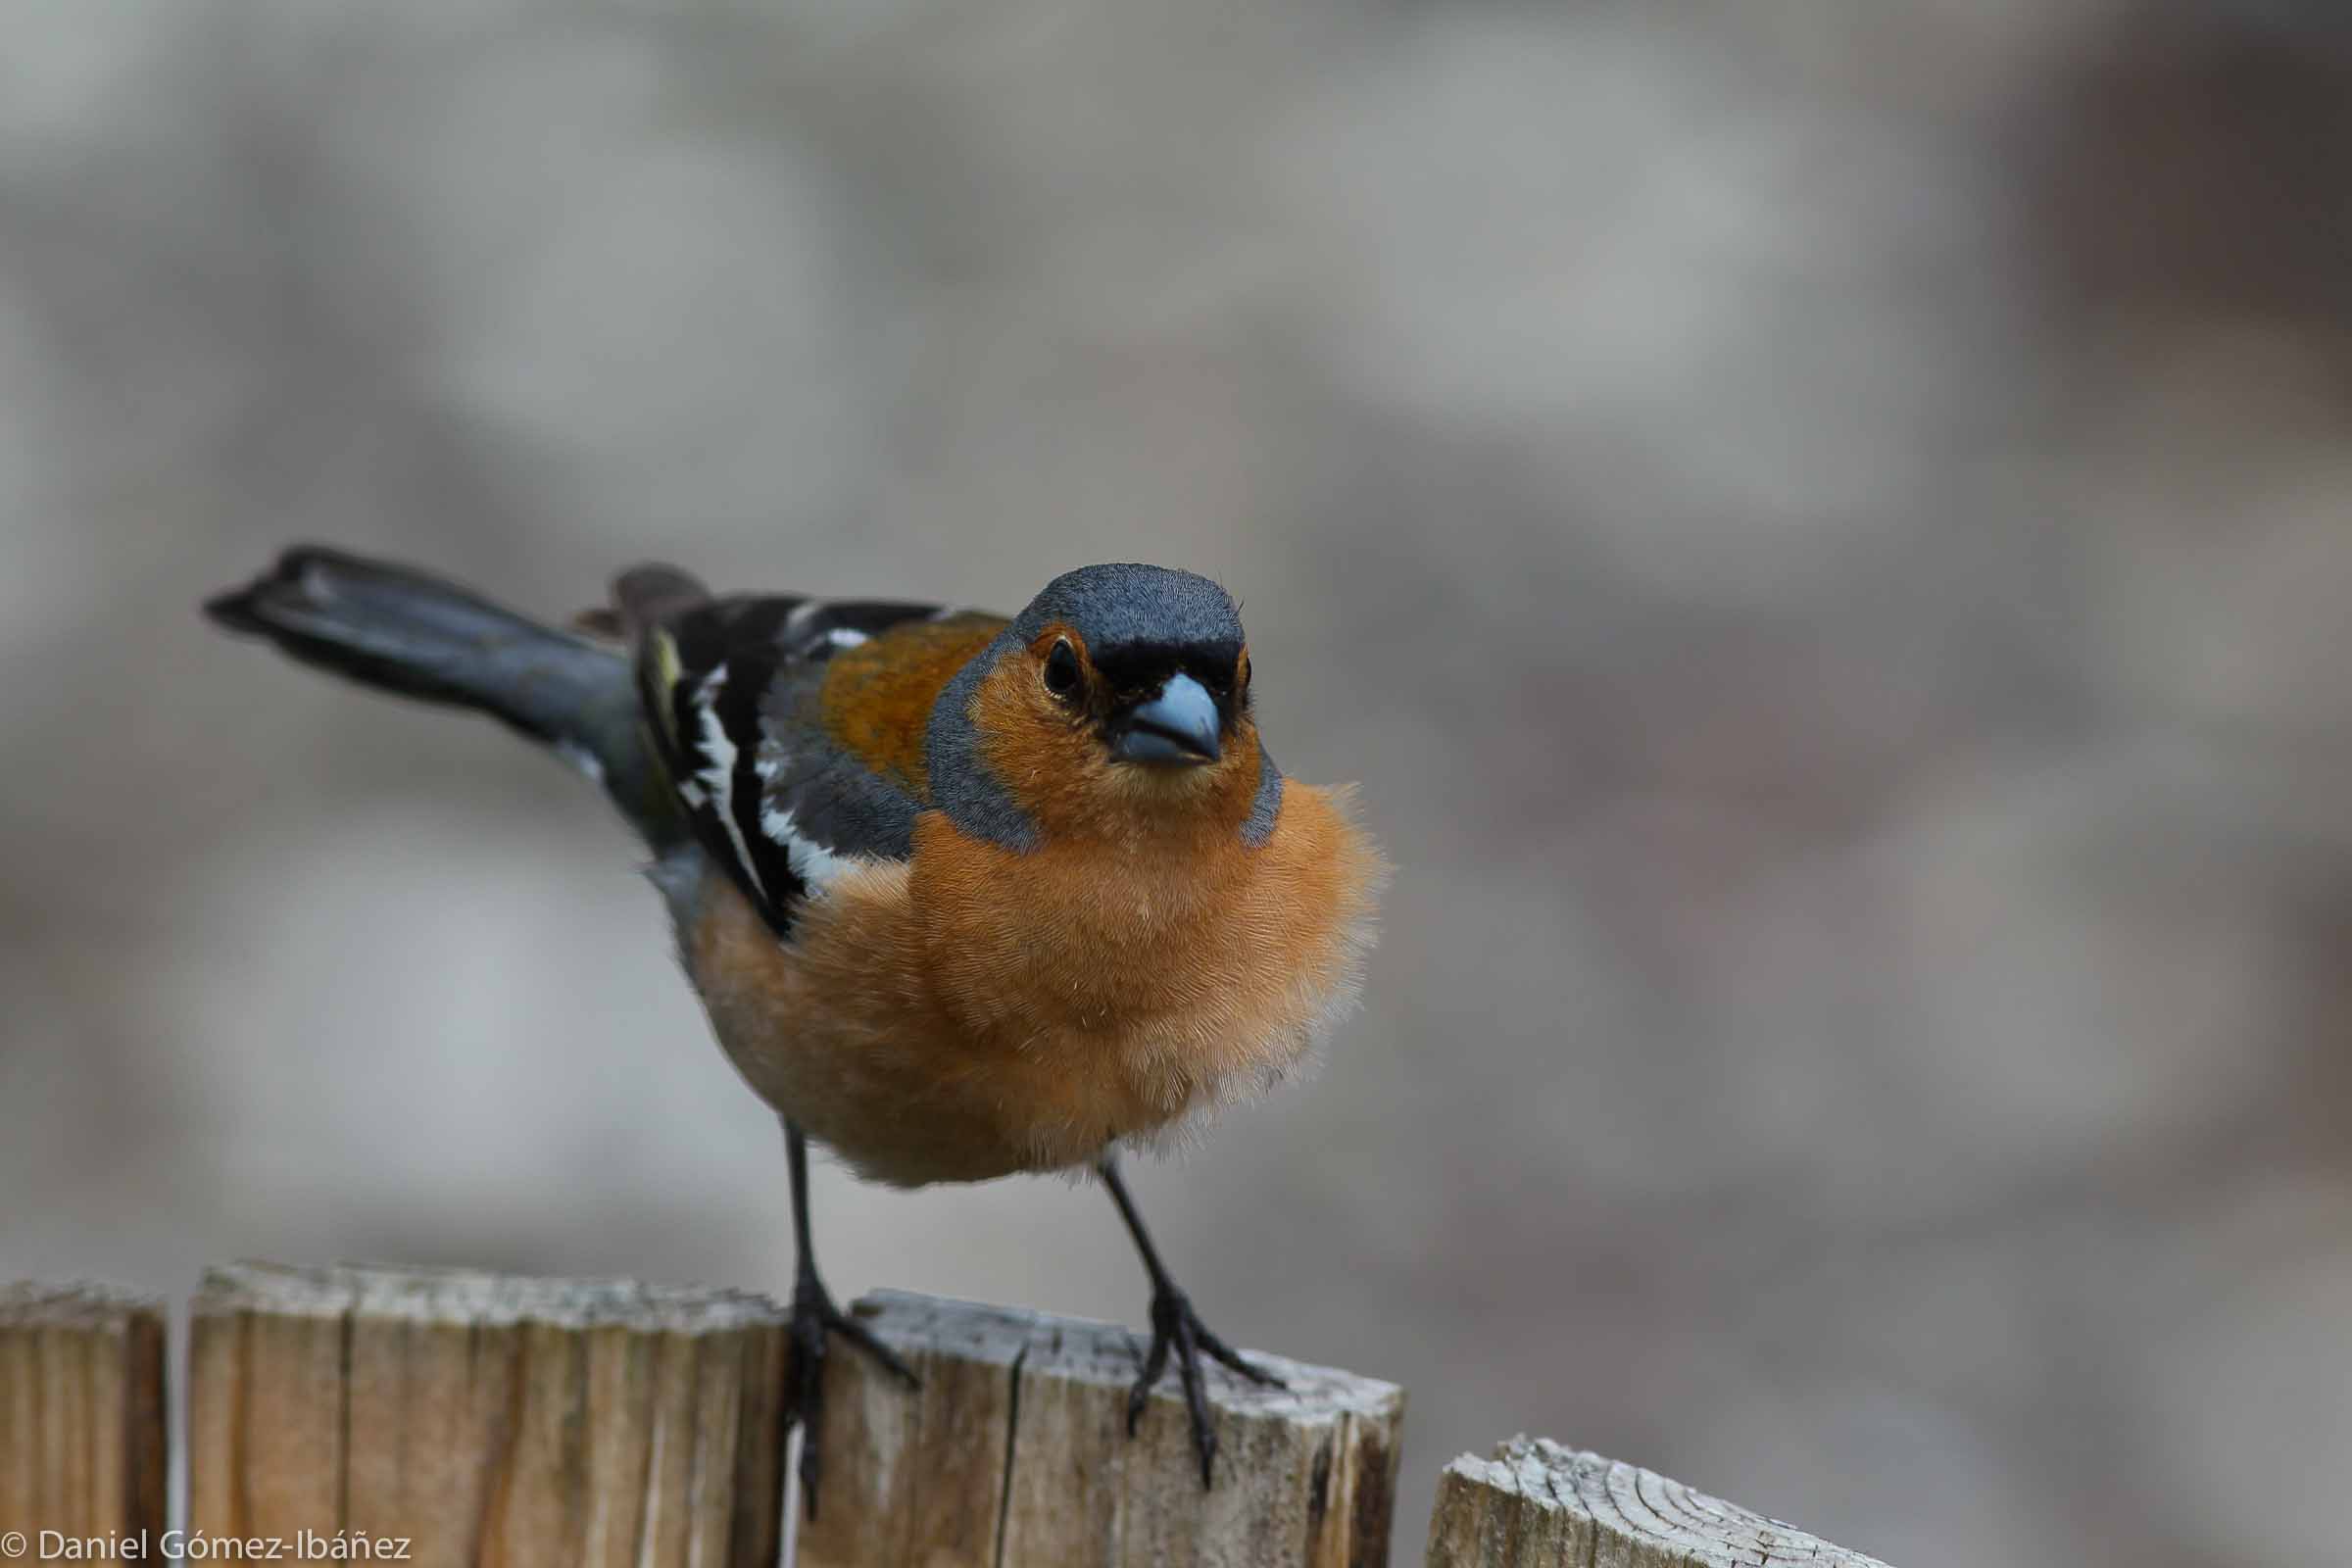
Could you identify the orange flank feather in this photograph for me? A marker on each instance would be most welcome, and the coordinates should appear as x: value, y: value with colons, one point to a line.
x: 977, y: 1011
x: 877, y: 696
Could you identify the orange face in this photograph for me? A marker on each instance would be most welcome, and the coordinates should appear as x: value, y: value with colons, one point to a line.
x: 1136, y: 743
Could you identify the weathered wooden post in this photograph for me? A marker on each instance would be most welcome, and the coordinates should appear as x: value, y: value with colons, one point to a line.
x: 82, y: 1449
x: 1537, y: 1504
x: 1016, y: 1451
x: 487, y: 1419
x: 456, y: 1418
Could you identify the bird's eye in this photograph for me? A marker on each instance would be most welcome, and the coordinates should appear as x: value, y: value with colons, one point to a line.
x: 1061, y: 671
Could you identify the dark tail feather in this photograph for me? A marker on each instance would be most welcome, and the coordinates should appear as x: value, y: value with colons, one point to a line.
x: 404, y: 632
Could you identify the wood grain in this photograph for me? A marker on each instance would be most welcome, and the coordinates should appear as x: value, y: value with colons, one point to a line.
x: 489, y: 1420
x: 1014, y: 1451
x: 1537, y: 1504
x: 82, y: 1439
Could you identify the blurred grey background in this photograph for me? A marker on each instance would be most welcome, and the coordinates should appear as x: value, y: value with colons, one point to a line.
x: 1824, y: 530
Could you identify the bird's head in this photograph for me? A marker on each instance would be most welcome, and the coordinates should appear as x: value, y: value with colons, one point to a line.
x: 1117, y: 703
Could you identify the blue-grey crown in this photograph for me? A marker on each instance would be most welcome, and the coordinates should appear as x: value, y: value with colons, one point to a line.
x: 1123, y: 603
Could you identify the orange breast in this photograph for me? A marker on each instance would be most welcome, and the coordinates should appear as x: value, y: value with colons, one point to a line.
x: 977, y: 1011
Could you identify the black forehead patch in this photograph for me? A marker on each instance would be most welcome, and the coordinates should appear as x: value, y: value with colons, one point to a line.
x: 1124, y: 605
x: 1135, y: 665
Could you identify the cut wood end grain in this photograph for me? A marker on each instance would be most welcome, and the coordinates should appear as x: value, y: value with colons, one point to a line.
x: 468, y: 1297
x: 1538, y: 1504
x: 1108, y: 1355
x: 81, y: 1304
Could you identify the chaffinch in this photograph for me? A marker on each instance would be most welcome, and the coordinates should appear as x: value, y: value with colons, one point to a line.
x: 962, y: 896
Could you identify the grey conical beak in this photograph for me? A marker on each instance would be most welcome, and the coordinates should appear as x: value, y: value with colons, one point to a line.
x: 1179, y: 726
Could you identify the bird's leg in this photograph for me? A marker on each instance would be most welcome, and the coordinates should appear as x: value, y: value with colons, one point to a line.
x: 813, y: 1317
x: 1176, y: 1327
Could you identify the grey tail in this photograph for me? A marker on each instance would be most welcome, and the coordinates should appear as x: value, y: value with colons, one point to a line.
x: 405, y: 631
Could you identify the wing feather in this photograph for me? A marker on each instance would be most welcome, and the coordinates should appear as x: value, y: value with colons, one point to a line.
x: 735, y: 692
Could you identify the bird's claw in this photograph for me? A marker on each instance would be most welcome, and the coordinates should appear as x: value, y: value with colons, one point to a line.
x: 1176, y: 1326
x: 815, y: 1319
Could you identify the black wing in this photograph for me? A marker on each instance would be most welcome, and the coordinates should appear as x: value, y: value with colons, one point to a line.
x: 728, y: 687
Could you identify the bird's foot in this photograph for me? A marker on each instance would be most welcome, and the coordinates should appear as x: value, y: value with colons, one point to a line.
x: 1176, y: 1326
x: 815, y: 1319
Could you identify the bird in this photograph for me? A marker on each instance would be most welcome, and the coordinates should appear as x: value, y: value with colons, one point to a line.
x: 964, y: 895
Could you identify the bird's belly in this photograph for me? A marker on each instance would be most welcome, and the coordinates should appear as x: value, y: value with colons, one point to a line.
x: 841, y: 1031
x: 924, y: 1042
